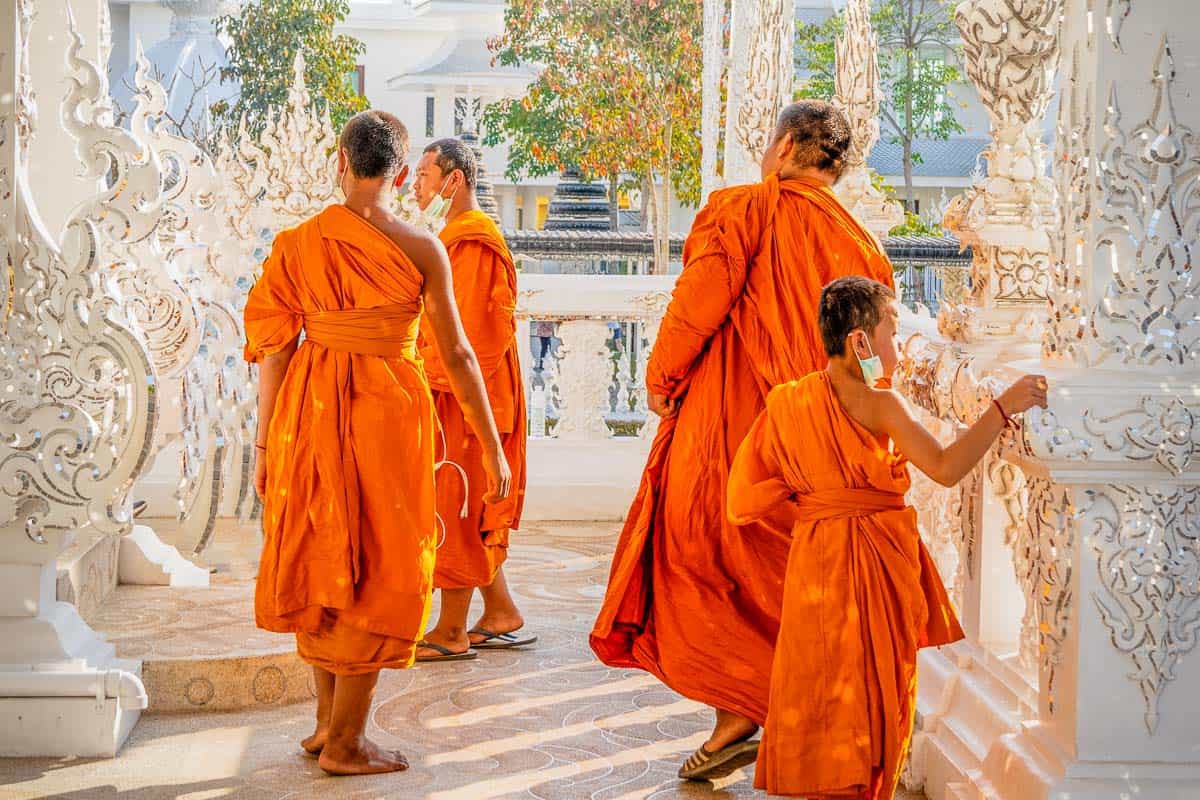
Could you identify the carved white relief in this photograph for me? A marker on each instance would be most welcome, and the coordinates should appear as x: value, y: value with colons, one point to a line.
x: 1159, y: 428
x: 857, y: 92
x: 938, y: 518
x: 1064, y: 332
x: 1011, y: 53
x: 290, y: 174
x: 1009, y: 486
x: 1054, y: 520
x: 584, y: 356
x: 1146, y: 541
x: 1147, y: 228
x: 765, y: 85
x: 78, y: 408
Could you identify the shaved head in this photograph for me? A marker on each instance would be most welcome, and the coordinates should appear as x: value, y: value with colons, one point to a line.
x: 452, y: 154
x: 376, y: 144
x: 820, y: 133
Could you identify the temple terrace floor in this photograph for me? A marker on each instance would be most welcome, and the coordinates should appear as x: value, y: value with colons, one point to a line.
x: 547, y: 723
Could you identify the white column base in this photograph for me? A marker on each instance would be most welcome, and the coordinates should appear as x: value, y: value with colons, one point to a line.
x: 146, y: 560
x: 63, y: 692
x: 67, y: 711
x: 1028, y: 765
x: 967, y: 699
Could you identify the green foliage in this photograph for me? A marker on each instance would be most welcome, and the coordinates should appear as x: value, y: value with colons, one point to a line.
x: 913, y: 225
x: 618, y: 92
x: 917, y: 43
x: 264, y: 37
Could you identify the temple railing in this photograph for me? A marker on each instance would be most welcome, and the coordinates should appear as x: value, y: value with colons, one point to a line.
x: 585, y: 338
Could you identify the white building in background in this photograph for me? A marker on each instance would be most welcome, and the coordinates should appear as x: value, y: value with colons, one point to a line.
x: 426, y: 61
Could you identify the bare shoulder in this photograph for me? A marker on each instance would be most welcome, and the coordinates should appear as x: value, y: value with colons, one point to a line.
x: 425, y: 249
x: 888, y: 407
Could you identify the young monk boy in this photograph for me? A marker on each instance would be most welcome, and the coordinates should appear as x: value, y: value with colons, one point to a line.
x: 830, y: 455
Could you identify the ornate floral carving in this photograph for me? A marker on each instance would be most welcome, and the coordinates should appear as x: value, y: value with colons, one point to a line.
x: 1011, y: 49
x: 1162, y: 428
x: 584, y: 355
x: 1010, y: 487
x: 1064, y: 330
x: 78, y: 409
x: 1054, y: 520
x: 1148, y: 226
x: 290, y: 174
x: 1147, y: 544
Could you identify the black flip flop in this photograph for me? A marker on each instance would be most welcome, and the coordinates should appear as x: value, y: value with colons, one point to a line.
x: 444, y: 653
x: 706, y: 766
x: 500, y: 641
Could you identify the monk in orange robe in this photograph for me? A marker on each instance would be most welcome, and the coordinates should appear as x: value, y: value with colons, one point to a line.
x: 347, y: 437
x: 830, y: 453
x: 473, y: 541
x: 692, y: 598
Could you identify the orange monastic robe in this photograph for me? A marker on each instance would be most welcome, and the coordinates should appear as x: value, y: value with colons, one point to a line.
x: 860, y: 596
x: 349, y: 526
x: 691, y: 597
x: 474, y: 542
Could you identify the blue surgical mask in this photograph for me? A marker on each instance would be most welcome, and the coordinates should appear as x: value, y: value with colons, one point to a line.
x: 872, y: 368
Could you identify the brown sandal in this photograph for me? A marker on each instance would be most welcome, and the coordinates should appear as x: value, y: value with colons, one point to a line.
x: 706, y: 766
x: 444, y: 653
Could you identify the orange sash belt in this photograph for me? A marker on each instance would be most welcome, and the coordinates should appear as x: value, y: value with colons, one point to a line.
x: 386, y: 331
x: 845, y: 503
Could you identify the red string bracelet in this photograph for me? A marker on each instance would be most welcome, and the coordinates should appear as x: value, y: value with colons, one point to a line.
x: 263, y: 447
x: 1008, y: 421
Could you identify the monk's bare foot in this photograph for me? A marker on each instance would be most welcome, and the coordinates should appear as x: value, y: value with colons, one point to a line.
x: 498, y: 624
x: 314, y: 744
x: 730, y: 729
x: 454, y: 641
x: 363, y: 758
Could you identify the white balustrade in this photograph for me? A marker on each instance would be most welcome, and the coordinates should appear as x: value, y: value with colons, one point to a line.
x: 587, y: 467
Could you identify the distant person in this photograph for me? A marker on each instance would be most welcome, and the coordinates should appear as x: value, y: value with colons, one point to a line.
x: 829, y: 456
x: 544, y: 332
x: 692, y: 598
x: 347, y: 437
x: 474, y: 533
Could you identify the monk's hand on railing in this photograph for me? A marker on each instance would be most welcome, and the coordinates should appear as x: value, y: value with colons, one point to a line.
x: 499, y: 477
x: 662, y: 405
x: 1023, y: 395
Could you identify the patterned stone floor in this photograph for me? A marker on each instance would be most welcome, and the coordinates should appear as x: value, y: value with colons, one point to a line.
x: 549, y: 723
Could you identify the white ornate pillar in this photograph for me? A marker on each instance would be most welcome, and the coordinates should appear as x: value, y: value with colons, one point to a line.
x: 1110, y: 544
x: 76, y: 417
x: 1011, y: 51
x: 1118, y: 517
x: 858, y: 94
x: 762, y: 64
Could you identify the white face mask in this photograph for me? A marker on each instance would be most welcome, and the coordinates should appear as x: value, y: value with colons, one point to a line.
x: 439, y: 206
x: 872, y: 368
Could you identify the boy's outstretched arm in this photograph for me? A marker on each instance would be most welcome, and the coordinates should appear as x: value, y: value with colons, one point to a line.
x: 949, y: 465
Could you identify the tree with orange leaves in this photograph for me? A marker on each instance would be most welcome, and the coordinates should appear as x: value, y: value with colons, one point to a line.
x: 618, y: 95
